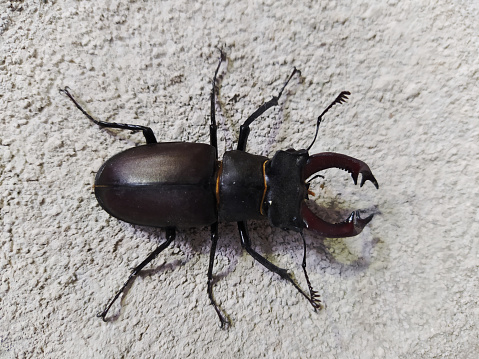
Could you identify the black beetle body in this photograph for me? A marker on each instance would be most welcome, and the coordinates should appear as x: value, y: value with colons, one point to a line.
x: 176, y: 185
x: 165, y: 185
x: 160, y: 185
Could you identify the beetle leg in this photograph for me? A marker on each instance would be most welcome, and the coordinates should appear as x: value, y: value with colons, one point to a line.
x: 147, y: 131
x: 213, y: 127
x: 244, y: 128
x: 313, y: 295
x: 170, y: 236
x: 349, y: 228
x: 283, y: 273
x: 325, y: 160
x: 214, y: 240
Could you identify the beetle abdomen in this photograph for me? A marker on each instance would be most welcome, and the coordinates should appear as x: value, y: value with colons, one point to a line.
x: 160, y: 185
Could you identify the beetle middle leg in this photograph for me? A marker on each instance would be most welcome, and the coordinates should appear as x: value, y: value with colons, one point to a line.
x: 244, y: 128
x: 283, y: 273
x: 170, y: 236
x: 213, y: 127
x: 214, y: 240
x: 147, y: 131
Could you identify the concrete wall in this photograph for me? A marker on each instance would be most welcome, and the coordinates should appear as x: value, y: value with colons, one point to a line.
x: 404, y: 288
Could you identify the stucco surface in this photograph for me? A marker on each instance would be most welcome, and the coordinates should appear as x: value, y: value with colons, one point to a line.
x: 406, y: 287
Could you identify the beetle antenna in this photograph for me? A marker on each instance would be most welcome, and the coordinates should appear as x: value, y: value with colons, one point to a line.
x: 313, y: 295
x: 342, y: 97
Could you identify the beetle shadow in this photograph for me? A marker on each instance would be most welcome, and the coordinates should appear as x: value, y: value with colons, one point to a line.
x: 192, y: 241
x: 196, y: 241
x: 165, y: 266
x: 228, y: 250
x: 143, y: 273
x: 335, y: 249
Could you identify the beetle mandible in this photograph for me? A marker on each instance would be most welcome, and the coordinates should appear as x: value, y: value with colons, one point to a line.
x: 177, y: 184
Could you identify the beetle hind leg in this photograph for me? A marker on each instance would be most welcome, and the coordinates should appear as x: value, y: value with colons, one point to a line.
x: 170, y: 236
x: 283, y: 273
x: 147, y: 131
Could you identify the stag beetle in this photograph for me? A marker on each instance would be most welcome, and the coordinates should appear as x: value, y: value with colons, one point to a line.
x: 176, y: 184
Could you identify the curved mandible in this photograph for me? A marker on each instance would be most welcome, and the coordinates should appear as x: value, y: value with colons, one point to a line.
x: 348, y: 228
x: 325, y: 160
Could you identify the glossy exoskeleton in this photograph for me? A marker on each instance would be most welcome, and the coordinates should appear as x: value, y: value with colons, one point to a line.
x: 177, y: 184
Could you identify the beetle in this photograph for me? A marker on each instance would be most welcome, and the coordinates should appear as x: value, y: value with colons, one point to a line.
x: 178, y: 184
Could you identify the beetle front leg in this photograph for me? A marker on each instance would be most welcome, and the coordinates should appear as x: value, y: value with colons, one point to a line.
x: 283, y: 273
x: 244, y: 128
x: 214, y: 240
x: 170, y: 236
x: 147, y: 131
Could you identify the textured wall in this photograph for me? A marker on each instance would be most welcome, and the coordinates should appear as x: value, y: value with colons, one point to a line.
x: 405, y: 288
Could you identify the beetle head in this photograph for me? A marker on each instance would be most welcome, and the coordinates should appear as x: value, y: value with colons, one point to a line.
x: 285, y: 199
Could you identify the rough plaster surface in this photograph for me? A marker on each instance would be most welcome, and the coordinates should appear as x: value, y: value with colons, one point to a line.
x: 406, y: 287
